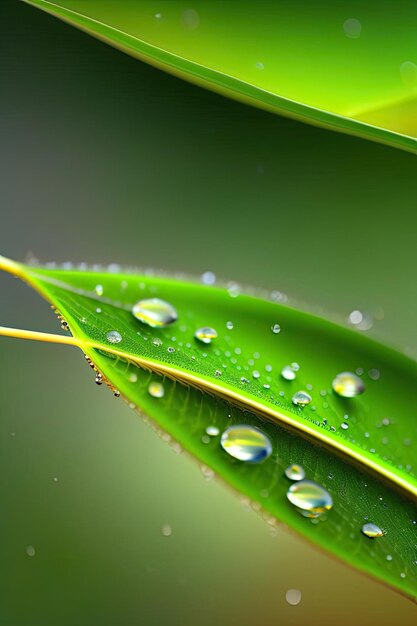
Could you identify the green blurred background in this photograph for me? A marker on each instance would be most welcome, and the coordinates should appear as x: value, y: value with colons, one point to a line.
x: 104, y: 159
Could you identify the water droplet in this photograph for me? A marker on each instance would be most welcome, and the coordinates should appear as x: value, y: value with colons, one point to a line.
x: 98, y: 310
x: 348, y: 385
x: 255, y: 374
x: 213, y: 431
x: 372, y: 531
x: 288, y: 372
x: 30, y: 551
x: 170, y: 349
x: 344, y: 426
x: 156, y: 342
x: 309, y: 497
x: 156, y: 390
x: 166, y: 530
x: 246, y: 443
x: 259, y: 65
x: 205, y: 334
x: 301, y: 398
x: 389, y: 557
x: 276, y: 328
x: 374, y: 374
x: 114, y: 337
x: 293, y: 596
x: 295, y: 472
x: 208, y: 278
x: 133, y: 377
x: 229, y: 325
x: 155, y: 312
x: 99, y: 290
x: 352, y: 28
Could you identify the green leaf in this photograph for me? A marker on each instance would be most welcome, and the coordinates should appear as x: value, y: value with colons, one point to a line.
x: 368, y: 468
x: 315, y: 63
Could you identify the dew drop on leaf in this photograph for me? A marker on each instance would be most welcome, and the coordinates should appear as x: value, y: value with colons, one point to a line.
x: 205, y: 334
x: 156, y: 390
x: 310, y: 497
x: 30, y: 551
x: 166, y: 530
x: 213, y: 431
x: 155, y: 312
x: 99, y: 290
x: 372, y: 531
x: 295, y: 472
x: 114, y: 337
x: 348, y: 385
x: 276, y: 328
x: 293, y: 597
x: 301, y: 398
x: 246, y: 443
x: 288, y: 372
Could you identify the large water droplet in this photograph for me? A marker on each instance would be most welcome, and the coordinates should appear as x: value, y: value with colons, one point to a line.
x: 246, y: 443
x: 155, y: 312
x: 372, y: 531
x: 114, y: 337
x: 295, y: 472
x: 301, y: 398
x: 205, y: 334
x: 156, y: 390
x: 310, y: 497
x: 348, y: 385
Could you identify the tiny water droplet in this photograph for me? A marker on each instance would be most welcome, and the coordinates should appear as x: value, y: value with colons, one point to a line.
x: 99, y: 290
x: 133, y: 377
x: 208, y: 278
x: 293, y: 597
x: 276, y: 328
x: 301, y: 398
x: 389, y: 557
x: 255, y: 374
x: 156, y: 390
x: 156, y: 342
x: 114, y: 337
x: 295, y: 472
x: 213, y: 431
x: 348, y: 385
x: 229, y: 325
x: 166, y: 530
x: 30, y: 550
x: 372, y: 531
x: 344, y: 426
x: 374, y: 374
x: 155, y: 312
x: 309, y: 497
x: 246, y: 443
x: 205, y: 334
x: 288, y: 372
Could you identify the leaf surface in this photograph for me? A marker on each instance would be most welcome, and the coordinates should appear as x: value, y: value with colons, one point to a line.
x: 368, y: 467
x: 305, y: 60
